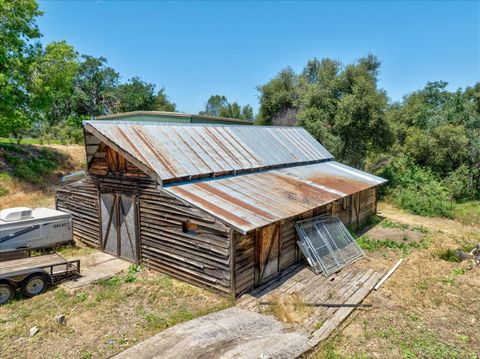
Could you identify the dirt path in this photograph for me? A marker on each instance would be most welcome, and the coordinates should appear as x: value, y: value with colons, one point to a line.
x: 435, y: 224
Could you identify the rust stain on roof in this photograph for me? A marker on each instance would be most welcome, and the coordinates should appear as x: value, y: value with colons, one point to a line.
x: 155, y: 153
x: 306, y: 189
x: 176, y: 151
x: 223, y: 147
x: 130, y: 143
x: 211, y: 208
x: 225, y: 196
x: 208, y: 144
x: 263, y: 198
x: 200, y: 159
x: 239, y: 143
x: 347, y: 186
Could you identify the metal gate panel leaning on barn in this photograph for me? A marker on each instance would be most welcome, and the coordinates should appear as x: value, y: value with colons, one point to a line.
x: 214, y: 205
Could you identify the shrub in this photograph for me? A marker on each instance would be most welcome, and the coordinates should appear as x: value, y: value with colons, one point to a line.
x: 448, y: 255
x: 461, y: 183
x: 416, y: 189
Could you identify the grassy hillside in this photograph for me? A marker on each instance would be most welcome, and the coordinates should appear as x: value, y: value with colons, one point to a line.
x: 30, y: 173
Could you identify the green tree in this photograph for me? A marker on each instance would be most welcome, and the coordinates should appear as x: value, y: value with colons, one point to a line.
x: 360, y: 122
x: 135, y: 95
x: 219, y: 106
x: 247, y: 112
x: 443, y: 150
x: 53, y: 73
x: 162, y: 102
x: 95, y: 87
x: 18, y: 30
x: 278, y: 97
x: 440, y: 131
x: 216, y: 106
x: 341, y: 107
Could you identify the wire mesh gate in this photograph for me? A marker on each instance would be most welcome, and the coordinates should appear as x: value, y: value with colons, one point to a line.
x: 327, y: 244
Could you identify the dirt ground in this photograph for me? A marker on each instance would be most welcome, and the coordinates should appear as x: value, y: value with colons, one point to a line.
x: 429, y: 308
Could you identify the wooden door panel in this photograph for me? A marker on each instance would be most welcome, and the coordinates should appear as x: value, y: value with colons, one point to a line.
x: 268, y: 251
x: 109, y: 224
x: 128, y: 245
x: 119, y: 234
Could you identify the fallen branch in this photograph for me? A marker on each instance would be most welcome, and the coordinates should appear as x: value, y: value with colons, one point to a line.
x: 386, y: 276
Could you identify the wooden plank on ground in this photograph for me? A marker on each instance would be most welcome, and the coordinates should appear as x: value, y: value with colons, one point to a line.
x: 333, y: 322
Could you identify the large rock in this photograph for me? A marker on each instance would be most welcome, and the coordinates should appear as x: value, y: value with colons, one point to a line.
x: 230, y: 333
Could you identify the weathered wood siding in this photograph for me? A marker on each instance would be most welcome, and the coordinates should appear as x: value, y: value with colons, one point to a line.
x: 244, y: 262
x: 352, y: 211
x: 80, y: 199
x: 288, y: 240
x: 202, y: 258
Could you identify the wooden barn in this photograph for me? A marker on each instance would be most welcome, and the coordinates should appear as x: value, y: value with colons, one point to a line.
x: 214, y: 205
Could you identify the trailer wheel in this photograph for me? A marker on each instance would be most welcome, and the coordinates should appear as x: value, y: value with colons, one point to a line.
x: 34, y: 285
x: 6, y: 292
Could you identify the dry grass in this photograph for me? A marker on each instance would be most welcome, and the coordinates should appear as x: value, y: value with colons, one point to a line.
x: 102, y: 319
x: 288, y: 308
x: 428, y: 309
x: 21, y: 193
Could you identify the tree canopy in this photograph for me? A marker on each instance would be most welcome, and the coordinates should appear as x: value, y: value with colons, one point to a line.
x: 219, y: 106
x: 46, y: 91
x: 18, y: 30
x: 137, y: 95
x: 338, y: 105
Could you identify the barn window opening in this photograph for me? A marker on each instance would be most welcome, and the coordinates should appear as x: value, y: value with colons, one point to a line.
x: 190, y: 228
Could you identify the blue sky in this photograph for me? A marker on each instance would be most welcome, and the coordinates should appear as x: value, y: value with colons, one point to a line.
x: 195, y: 49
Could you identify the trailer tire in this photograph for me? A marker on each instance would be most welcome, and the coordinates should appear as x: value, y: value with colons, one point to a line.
x: 6, y: 293
x: 34, y: 285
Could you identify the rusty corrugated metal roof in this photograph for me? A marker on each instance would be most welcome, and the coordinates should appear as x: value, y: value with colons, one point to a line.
x: 250, y: 201
x: 175, y: 151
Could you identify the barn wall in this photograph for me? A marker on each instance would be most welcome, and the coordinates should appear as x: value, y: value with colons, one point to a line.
x: 244, y: 268
x: 80, y: 199
x: 202, y: 258
x: 353, y: 211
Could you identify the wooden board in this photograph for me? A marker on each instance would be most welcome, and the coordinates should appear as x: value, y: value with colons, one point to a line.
x: 330, y: 300
x: 30, y: 262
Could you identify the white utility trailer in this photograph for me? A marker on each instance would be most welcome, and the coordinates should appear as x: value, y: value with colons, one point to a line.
x: 24, y: 228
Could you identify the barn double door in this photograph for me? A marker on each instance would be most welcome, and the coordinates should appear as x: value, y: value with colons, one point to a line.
x: 267, y: 253
x: 119, y: 226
